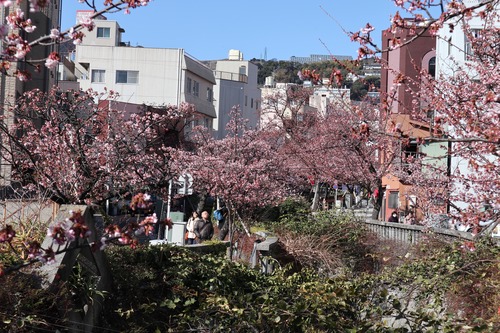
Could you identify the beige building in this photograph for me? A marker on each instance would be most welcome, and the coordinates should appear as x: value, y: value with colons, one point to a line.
x: 280, y: 107
x: 152, y: 76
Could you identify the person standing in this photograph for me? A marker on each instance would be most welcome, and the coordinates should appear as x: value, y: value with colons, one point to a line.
x: 191, y: 237
x: 203, y: 228
x: 393, y: 217
x: 410, y: 218
x: 220, y: 215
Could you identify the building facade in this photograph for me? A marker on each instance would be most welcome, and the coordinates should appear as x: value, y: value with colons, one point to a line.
x: 454, y: 52
x: 318, y: 58
x: 10, y: 87
x: 400, y: 83
x: 405, y: 63
x: 151, y: 76
x: 236, y: 86
x: 324, y: 98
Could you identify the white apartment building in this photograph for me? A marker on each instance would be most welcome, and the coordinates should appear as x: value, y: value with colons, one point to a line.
x: 151, y: 76
x: 277, y: 106
x: 236, y: 87
x: 324, y: 98
x: 453, y: 48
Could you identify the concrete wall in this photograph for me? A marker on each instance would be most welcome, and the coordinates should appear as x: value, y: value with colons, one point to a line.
x: 92, y: 263
x: 114, y: 38
x: 160, y: 72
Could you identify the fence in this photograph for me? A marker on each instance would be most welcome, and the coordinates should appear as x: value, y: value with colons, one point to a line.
x: 405, y: 233
x: 21, y: 210
x: 411, y: 234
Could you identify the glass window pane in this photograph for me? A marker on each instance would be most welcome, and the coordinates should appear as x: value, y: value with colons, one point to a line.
x: 103, y: 32
x: 133, y: 77
x: 121, y: 76
x: 393, y: 200
x: 98, y: 75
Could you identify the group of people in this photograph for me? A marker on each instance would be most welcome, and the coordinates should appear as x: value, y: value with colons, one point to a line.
x: 408, y: 219
x: 199, y: 229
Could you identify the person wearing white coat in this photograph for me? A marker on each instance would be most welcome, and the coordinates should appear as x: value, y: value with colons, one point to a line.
x: 191, y: 236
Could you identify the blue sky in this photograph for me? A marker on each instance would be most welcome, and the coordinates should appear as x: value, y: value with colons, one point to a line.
x: 209, y: 29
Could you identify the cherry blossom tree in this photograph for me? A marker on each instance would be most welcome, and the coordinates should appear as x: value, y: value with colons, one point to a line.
x: 345, y: 144
x: 85, y: 152
x: 243, y: 169
x: 463, y: 100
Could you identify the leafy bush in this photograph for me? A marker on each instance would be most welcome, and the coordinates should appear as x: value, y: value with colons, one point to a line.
x: 170, y: 288
x: 432, y: 287
x: 272, y: 213
x: 27, y: 307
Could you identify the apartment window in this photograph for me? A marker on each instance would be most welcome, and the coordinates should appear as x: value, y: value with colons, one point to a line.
x: 98, y: 76
x: 432, y: 66
x: 411, y: 151
x: 251, y: 103
x: 271, y: 102
x: 256, y: 105
x: 246, y: 100
x: 189, y: 85
x: 196, y: 88
x: 393, y: 200
x: 127, y: 77
x: 469, y: 50
x: 103, y: 32
x: 210, y: 95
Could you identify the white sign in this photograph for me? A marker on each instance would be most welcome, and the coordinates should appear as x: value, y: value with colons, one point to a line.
x: 186, y: 184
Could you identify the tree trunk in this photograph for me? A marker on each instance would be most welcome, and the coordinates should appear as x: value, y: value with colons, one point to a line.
x: 315, y: 203
x: 201, y: 204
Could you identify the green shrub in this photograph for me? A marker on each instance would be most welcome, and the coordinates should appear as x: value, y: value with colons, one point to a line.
x: 171, y: 289
x: 27, y: 307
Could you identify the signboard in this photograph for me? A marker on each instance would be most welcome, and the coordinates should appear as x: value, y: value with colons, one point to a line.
x: 186, y: 184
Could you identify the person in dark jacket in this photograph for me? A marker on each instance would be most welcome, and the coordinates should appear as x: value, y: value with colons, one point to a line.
x: 203, y: 228
x: 393, y: 217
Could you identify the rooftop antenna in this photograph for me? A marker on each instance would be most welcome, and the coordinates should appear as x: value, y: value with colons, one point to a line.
x: 265, y: 53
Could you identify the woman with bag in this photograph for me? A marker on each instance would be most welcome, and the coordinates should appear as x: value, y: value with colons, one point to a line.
x: 190, y: 235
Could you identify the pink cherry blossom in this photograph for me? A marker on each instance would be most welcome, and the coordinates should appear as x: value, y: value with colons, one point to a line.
x: 55, y: 34
x: 52, y: 60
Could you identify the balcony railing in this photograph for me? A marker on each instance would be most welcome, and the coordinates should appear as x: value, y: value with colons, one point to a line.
x: 231, y: 76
